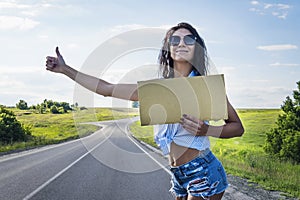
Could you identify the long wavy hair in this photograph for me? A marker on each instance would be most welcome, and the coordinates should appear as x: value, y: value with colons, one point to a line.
x: 199, y: 61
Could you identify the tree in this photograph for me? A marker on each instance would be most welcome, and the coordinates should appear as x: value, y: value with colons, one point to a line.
x: 54, y: 110
x: 283, y: 141
x: 22, y: 105
x: 41, y: 108
x: 49, y: 103
x: 135, y: 104
x: 66, y: 106
x: 11, y: 130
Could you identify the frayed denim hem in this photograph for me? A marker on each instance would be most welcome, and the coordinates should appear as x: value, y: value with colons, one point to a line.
x: 174, y: 194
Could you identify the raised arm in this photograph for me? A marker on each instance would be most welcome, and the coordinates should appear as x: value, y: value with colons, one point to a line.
x: 99, y: 86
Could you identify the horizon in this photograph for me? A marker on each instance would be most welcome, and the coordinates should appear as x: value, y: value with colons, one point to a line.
x: 237, y: 108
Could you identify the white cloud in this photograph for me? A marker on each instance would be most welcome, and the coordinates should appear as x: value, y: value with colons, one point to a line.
x: 19, y: 23
x: 14, y: 5
x: 259, y: 96
x: 14, y: 70
x: 277, y: 64
x: 283, y: 16
x: 254, y: 2
x: 267, y: 6
x: 277, y: 10
x: 283, y: 6
x: 18, y: 8
x: 281, y: 47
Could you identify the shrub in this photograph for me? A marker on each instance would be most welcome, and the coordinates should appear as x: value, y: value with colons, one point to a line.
x: 22, y: 105
x: 283, y: 141
x: 11, y: 130
x: 54, y: 110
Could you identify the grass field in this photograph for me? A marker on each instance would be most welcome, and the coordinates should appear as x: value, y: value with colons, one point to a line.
x: 244, y: 156
x: 55, y: 128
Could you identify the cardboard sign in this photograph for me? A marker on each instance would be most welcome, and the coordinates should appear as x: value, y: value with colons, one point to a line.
x: 164, y: 101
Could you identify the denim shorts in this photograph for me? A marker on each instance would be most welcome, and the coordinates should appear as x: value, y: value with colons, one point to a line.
x: 203, y: 177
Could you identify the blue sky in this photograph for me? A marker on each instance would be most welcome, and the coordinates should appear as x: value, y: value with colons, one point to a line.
x: 254, y: 43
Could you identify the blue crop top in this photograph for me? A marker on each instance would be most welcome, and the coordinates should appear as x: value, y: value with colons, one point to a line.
x: 166, y: 133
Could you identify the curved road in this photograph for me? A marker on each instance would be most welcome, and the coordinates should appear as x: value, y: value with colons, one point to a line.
x: 108, y: 164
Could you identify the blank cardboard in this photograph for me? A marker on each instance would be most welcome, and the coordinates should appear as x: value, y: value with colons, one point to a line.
x: 164, y: 101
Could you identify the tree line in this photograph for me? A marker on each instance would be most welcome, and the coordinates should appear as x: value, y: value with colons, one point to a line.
x: 47, y: 106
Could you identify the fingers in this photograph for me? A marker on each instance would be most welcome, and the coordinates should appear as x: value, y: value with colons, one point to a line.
x: 193, y: 125
x: 51, y: 62
x: 191, y: 118
x: 191, y: 121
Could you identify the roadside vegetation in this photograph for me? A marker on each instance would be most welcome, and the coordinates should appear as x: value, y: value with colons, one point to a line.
x: 245, y: 156
x: 269, y: 151
x: 24, y: 127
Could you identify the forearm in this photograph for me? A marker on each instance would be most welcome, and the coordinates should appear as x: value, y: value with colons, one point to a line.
x: 233, y: 126
x: 99, y: 86
x: 229, y: 130
x: 89, y: 82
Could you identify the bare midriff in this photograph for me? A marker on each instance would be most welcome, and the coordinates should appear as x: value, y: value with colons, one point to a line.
x: 180, y: 155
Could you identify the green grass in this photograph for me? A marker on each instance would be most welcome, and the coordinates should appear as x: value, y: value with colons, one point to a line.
x: 143, y: 133
x: 55, y: 128
x: 244, y: 156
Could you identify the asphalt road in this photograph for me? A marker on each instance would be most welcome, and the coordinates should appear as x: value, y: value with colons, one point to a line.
x: 106, y: 165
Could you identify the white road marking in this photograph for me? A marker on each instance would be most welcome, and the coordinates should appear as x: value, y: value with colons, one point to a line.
x: 62, y: 171
x: 32, y: 151
x: 162, y: 166
x: 84, y: 155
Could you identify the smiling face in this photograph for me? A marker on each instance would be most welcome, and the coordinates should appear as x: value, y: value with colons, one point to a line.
x: 182, y: 52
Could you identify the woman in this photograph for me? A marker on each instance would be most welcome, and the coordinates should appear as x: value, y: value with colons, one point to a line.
x: 197, y: 173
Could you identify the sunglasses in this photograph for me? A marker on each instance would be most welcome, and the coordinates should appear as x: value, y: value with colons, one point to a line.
x: 187, y: 39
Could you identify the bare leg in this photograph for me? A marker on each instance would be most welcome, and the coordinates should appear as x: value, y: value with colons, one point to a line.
x: 214, y: 197
x: 194, y: 198
x: 181, y: 198
x: 217, y: 196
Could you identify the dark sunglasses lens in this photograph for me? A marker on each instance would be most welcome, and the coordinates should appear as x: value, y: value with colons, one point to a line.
x: 189, y: 40
x: 174, y: 40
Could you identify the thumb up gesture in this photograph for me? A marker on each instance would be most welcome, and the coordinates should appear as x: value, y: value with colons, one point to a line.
x: 55, y: 64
